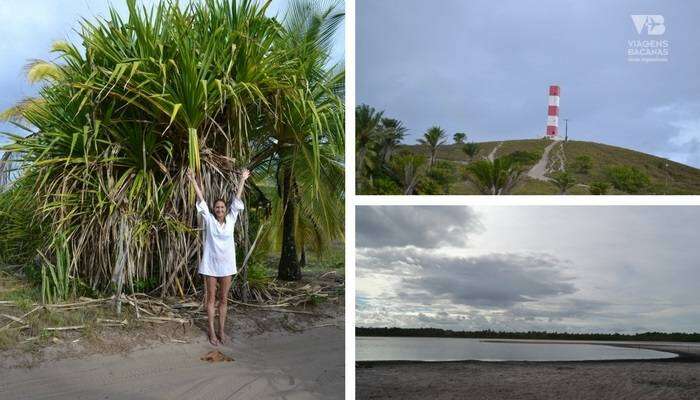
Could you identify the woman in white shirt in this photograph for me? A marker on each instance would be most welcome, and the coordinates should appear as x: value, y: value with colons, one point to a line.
x: 219, y: 256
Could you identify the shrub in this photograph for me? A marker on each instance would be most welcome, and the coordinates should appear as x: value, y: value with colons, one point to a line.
x: 382, y: 184
x: 583, y: 164
x: 563, y: 181
x: 444, y: 174
x: 599, y: 188
x: 523, y: 157
x: 628, y: 179
x: 427, y: 185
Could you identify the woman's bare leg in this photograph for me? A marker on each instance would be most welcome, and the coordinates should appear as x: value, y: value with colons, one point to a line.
x: 210, y: 303
x: 224, y: 287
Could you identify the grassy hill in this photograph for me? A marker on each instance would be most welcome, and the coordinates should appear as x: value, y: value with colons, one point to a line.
x: 665, y: 176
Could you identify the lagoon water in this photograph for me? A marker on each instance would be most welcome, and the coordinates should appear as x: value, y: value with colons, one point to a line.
x: 447, y: 349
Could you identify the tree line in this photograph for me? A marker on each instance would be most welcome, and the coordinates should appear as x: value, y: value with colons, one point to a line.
x: 541, y: 335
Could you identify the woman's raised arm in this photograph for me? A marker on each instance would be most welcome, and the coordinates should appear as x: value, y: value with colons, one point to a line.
x: 245, y: 174
x: 197, y: 189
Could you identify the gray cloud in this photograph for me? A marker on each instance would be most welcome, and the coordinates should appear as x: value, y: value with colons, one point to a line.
x: 419, y: 226
x: 494, y: 280
x: 484, y: 67
x: 578, y: 269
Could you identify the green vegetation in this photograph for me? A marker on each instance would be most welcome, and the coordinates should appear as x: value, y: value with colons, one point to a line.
x: 471, y: 149
x: 588, y: 168
x: 433, y: 138
x: 563, y: 181
x: 495, y: 177
x: 215, y: 86
x: 488, y: 334
x: 627, y: 179
x: 583, y: 164
x: 599, y: 188
x: 56, y: 282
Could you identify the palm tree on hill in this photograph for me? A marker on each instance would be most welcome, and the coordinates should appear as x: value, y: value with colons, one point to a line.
x: 471, y: 149
x: 459, y: 137
x: 433, y: 138
x: 393, y: 133
x: 367, y: 133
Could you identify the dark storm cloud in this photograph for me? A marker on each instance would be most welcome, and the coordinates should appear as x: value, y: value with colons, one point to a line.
x: 483, y: 67
x: 494, y: 280
x: 418, y: 226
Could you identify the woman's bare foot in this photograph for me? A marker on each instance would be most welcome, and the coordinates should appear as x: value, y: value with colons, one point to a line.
x: 223, y: 338
x: 213, y: 340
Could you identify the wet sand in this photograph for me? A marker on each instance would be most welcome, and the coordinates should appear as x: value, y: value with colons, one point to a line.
x: 677, y: 378
x: 308, y: 365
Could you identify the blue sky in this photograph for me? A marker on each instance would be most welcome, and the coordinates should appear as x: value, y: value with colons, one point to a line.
x: 29, y: 27
x: 483, y: 67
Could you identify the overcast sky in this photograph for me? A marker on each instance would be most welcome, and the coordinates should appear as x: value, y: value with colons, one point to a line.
x: 577, y: 269
x: 483, y: 67
x: 29, y: 27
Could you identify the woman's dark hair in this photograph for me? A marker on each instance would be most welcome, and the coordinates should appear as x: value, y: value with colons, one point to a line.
x: 219, y: 200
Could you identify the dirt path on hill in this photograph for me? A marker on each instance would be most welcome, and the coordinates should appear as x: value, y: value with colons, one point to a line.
x: 492, y: 154
x: 539, y: 170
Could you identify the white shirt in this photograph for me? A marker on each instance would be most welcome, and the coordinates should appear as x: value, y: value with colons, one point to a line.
x: 219, y: 256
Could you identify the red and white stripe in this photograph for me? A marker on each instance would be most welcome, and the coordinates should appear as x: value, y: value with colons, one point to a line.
x: 553, y: 112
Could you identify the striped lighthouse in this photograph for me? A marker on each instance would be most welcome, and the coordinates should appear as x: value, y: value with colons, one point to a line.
x: 553, y: 113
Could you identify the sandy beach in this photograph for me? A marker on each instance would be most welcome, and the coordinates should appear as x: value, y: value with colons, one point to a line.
x: 671, y: 379
x: 269, y: 362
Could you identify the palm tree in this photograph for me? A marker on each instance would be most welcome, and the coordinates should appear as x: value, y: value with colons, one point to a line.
x: 471, y: 149
x: 495, y: 177
x: 393, y: 133
x: 310, y: 136
x: 433, y: 138
x: 367, y: 133
x: 407, y: 168
x: 563, y: 181
x: 459, y: 137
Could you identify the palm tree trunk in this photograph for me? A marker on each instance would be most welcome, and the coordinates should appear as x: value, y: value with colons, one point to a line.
x: 360, y: 159
x: 288, y: 268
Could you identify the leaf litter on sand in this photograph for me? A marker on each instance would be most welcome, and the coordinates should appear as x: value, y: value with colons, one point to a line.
x: 216, y: 356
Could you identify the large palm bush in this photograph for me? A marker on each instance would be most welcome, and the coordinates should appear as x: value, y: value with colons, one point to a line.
x: 215, y: 86
x: 497, y: 177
